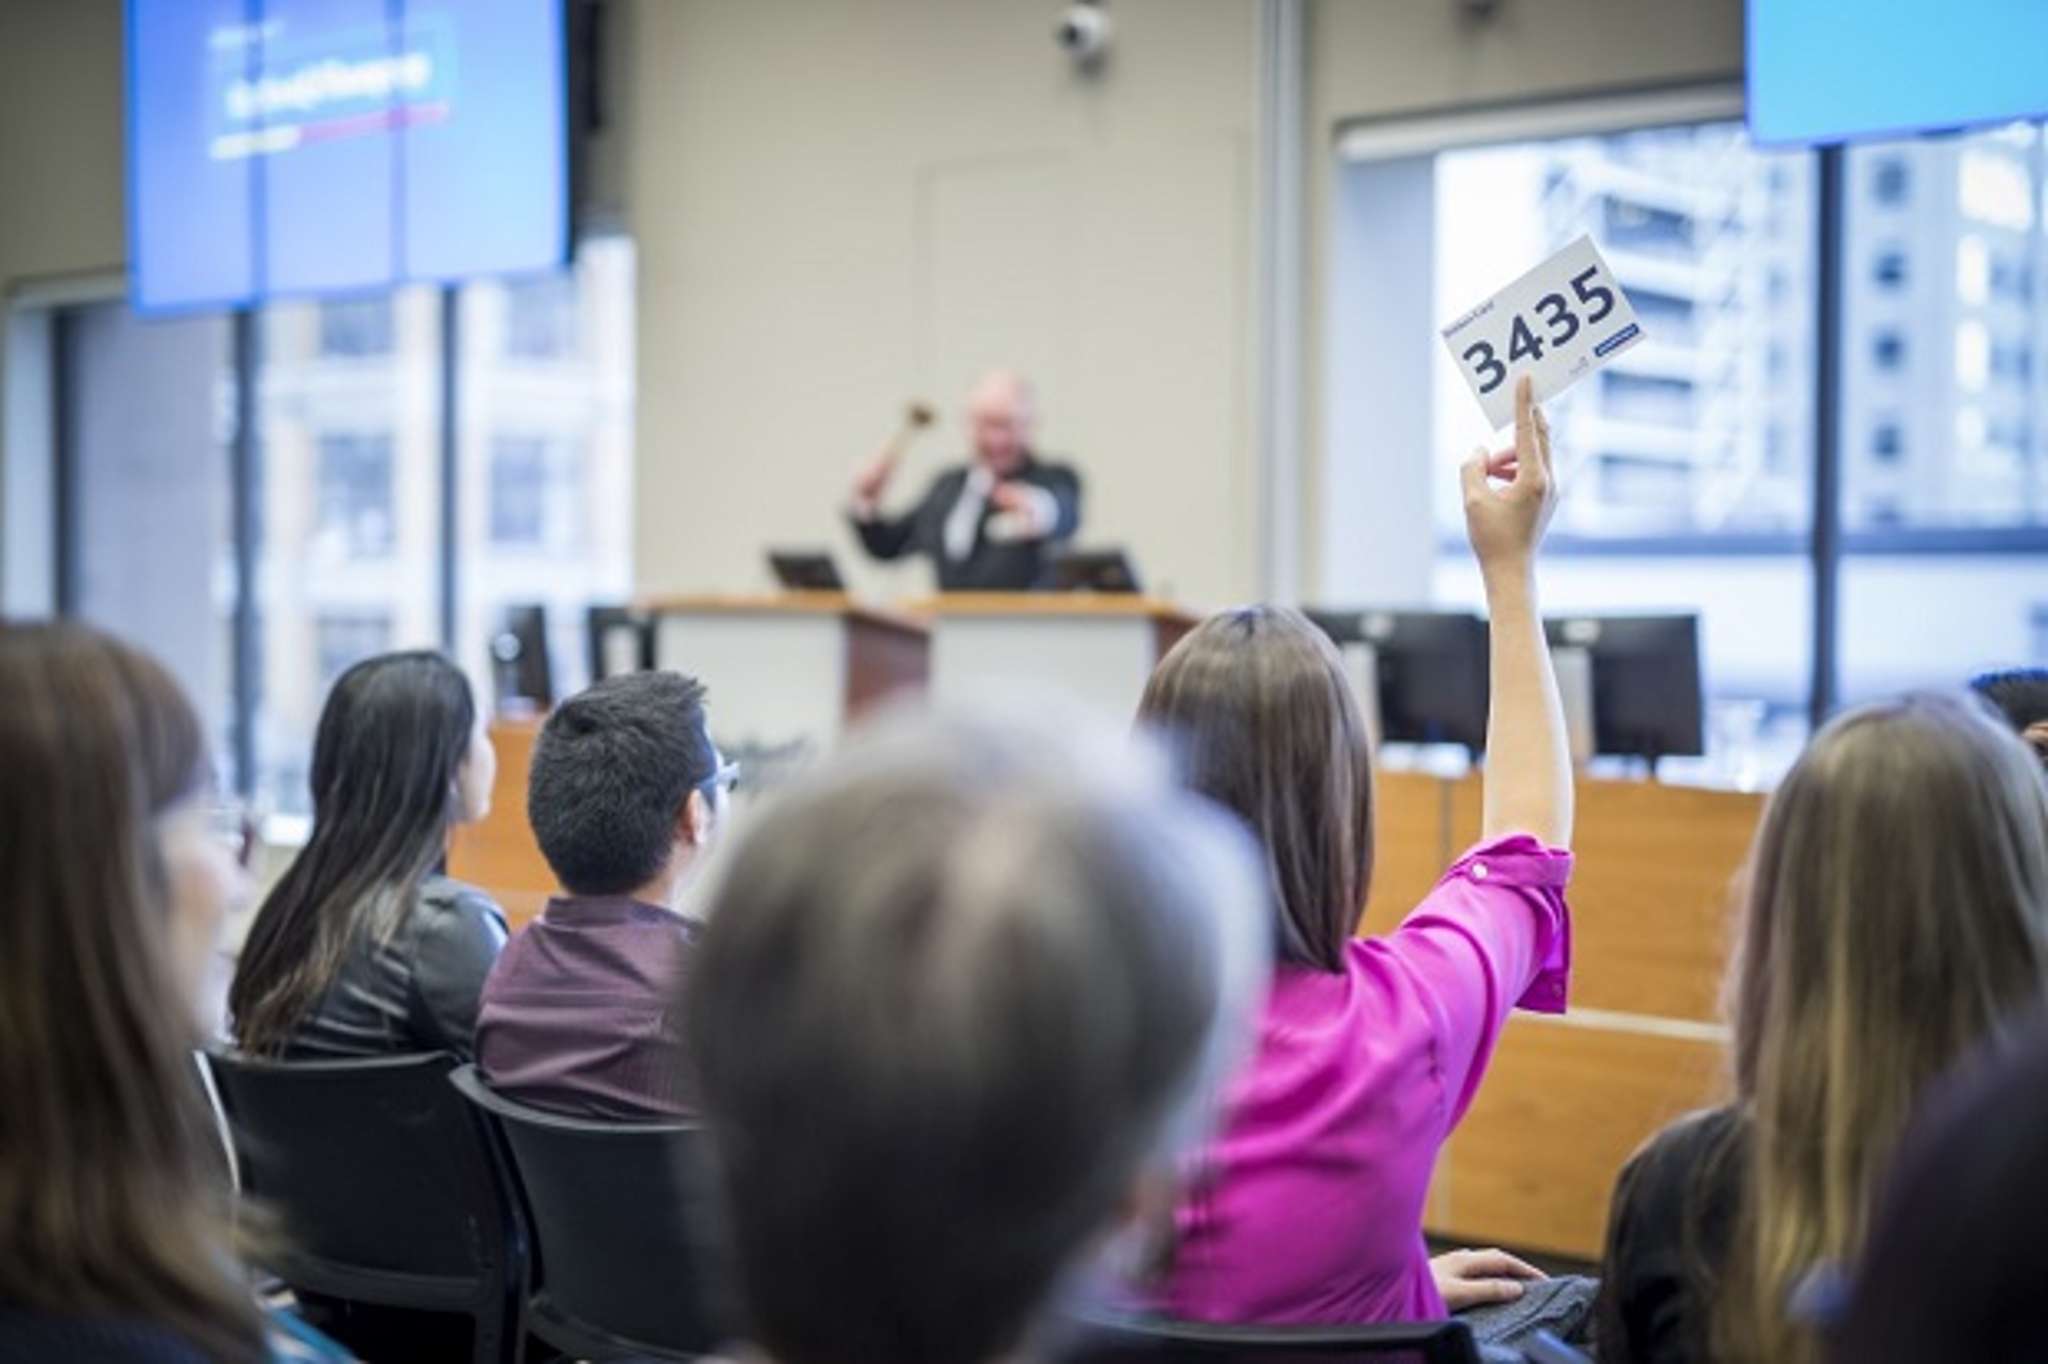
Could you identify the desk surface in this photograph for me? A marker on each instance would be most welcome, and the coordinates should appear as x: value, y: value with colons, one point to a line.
x: 781, y: 604
x: 1082, y: 604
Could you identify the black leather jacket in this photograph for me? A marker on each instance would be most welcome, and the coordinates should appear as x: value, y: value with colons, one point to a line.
x: 419, y: 991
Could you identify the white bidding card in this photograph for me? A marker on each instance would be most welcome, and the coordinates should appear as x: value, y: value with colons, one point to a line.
x: 1556, y: 324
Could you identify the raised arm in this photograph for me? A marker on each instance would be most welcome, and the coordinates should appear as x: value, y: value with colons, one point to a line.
x: 1509, y: 497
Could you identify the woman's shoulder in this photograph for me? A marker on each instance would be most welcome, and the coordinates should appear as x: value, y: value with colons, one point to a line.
x: 444, y: 895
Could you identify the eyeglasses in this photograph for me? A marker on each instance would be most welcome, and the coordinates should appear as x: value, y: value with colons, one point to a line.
x: 726, y: 778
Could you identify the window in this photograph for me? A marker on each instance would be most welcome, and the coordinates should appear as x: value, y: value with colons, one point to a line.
x: 1889, y: 270
x: 540, y: 317
x: 342, y: 639
x: 1888, y: 350
x: 1689, y: 458
x: 1887, y: 442
x: 545, y: 466
x: 354, y: 491
x: 1889, y: 181
x: 1941, y: 571
x: 355, y: 328
x: 348, y: 502
x: 146, y: 547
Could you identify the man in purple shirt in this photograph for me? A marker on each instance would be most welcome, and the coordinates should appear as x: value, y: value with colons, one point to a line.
x: 583, y: 1012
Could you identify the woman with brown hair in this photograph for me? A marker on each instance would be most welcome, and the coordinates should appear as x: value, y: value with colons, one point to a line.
x: 1896, y: 917
x: 1307, y: 1206
x: 114, y: 1233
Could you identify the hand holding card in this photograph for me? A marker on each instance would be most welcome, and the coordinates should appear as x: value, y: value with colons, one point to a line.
x: 1556, y: 324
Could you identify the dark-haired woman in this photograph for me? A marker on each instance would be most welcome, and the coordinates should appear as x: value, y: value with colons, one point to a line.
x: 114, y: 1231
x: 1307, y: 1206
x: 364, y: 947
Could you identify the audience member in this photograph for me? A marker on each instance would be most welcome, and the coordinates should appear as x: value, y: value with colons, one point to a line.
x: 1308, y: 1206
x: 364, y: 947
x: 1950, y: 1270
x: 114, y: 1215
x: 1897, y: 912
x: 582, y: 1014
x: 2021, y: 695
x: 957, y: 1004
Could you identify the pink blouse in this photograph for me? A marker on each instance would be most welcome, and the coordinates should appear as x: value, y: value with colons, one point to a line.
x: 1307, y: 1207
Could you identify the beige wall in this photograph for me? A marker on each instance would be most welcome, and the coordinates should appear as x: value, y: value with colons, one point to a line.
x: 61, y: 205
x: 61, y: 214
x: 1385, y: 58
x: 841, y: 206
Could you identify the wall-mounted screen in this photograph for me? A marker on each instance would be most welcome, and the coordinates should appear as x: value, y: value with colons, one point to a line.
x: 1825, y: 71
x: 284, y: 147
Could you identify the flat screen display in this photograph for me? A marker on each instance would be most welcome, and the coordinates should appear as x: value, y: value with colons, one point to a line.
x: 1828, y: 71
x: 297, y: 147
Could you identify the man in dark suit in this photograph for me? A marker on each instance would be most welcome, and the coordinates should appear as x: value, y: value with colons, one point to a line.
x: 991, y: 525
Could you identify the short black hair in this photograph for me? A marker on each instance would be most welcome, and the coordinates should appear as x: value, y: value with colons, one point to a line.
x: 612, y: 770
x: 2021, y: 695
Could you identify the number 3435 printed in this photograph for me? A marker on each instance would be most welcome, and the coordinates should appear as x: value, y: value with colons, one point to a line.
x: 1557, y: 324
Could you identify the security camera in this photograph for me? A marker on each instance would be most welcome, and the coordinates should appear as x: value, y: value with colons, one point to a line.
x: 1083, y: 32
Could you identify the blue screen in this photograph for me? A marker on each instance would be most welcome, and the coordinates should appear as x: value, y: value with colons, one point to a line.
x: 281, y: 147
x: 1829, y: 71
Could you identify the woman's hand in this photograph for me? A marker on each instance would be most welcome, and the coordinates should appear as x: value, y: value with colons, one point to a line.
x: 1475, y: 1278
x: 1506, y: 522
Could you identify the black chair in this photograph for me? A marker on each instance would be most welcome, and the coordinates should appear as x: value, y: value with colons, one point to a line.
x: 387, y: 1186
x: 623, y: 1265
x: 1142, y: 1340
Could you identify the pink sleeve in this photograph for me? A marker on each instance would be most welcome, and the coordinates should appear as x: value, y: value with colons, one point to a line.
x: 1494, y: 935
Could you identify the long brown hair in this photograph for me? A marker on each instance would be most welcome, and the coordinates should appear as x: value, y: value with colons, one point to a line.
x: 386, y: 756
x: 1263, y: 720
x: 110, y: 1201
x: 1897, y: 915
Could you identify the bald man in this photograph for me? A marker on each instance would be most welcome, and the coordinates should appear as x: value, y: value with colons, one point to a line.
x: 990, y: 525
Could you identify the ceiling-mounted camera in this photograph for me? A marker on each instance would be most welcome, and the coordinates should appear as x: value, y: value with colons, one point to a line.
x: 1083, y: 32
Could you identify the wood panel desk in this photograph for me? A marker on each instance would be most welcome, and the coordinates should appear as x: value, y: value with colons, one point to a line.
x: 1567, y: 1100
x: 1098, y: 648
x: 498, y: 852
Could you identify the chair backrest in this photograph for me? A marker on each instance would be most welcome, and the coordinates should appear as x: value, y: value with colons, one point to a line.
x: 1138, y: 1340
x: 383, y: 1177
x: 620, y: 1222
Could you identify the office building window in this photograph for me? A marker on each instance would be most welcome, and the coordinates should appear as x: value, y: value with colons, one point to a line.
x: 343, y: 639
x: 354, y: 493
x: 1888, y: 350
x: 545, y: 467
x: 1887, y: 442
x: 540, y: 317
x: 1890, y: 181
x: 1889, y: 270
x: 355, y: 328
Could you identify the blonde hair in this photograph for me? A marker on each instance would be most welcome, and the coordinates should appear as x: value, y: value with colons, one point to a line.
x: 1897, y: 912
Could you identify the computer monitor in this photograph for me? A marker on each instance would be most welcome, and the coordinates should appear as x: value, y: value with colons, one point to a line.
x: 800, y: 570
x: 621, y: 640
x: 520, y: 673
x: 1424, y: 672
x: 1094, y: 570
x: 1645, y: 681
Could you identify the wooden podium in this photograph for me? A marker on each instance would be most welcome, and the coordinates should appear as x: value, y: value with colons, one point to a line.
x: 788, y: 670
x: 1099, y: 649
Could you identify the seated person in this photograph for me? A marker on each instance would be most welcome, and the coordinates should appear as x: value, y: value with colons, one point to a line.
x: 116, y: 1234
x: 1896, y: 915
x: 959, y: 999
x: 2021, y: 696
x: 1950, y: 1271
x: 987, y: 526
x: 364, y: 947
x: 581, y: 1014
x: 1308, y: 1205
